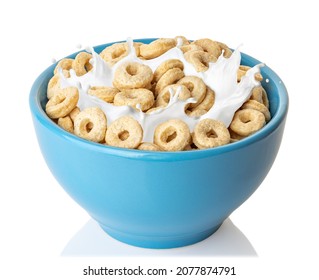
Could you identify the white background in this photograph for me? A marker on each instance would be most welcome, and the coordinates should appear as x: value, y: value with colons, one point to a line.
x: 38, y: 219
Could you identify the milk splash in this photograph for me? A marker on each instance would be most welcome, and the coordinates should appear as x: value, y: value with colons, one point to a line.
x: 221, y: 77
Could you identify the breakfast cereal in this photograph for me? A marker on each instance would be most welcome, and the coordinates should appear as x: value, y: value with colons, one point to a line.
x: 210, y: 133
x: 90, y: 124
x: 247, y: 121
x: 170, y: 95
x: 172, y: 135
x: 132, y: 75
x: 125, y: 132
x: 62, y: 102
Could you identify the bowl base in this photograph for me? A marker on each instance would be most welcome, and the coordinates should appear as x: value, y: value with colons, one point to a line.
x: 157, y: 242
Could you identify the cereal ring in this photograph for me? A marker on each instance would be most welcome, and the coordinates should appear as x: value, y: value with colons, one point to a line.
x: 124, y: 132
x: 197, y: 88
x: 259, y: 94
x: 132, y: 75
x: 207, y: 102
x: 62, y: 102
x: 53, y: 85
x: 163, y: 97
x: 184, y: 40
x: 81, y: 63
x: 105, y: 93
x: 170, y: 77
x: 190, y: 47
x: 247, y: 121
x: 172, y: 135
x: 165, y: 66
x: 199, y: 59
x: 90, y: 124
x: 227, y: 51
x: 209, y: 133
x: 74, y: 113
x: 196, y: 112
x: 66, y: 64
x: 116, y: 52
x: 213, y: 47
x: 157, y: 47
x: 132, y: 97
x: 188, y: 148
x: 66, y: 123
x: 234, y: 137
x: 253, y: 104
x: 242, y: 72
x: 148, y: 147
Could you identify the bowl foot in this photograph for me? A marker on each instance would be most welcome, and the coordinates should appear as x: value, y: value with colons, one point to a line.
x: 158, y: 242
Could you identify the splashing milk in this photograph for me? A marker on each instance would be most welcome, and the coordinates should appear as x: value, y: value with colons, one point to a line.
x: 221, y: 77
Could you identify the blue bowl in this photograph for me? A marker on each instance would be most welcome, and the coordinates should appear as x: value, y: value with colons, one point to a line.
x: 160, y: 199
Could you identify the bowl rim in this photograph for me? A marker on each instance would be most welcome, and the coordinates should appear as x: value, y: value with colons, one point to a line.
x: 279, y: 116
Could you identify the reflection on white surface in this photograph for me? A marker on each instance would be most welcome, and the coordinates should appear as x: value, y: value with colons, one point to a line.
x: 91, y: 240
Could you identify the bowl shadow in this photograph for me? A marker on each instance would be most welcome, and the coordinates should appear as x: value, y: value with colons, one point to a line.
x: 91, y: 240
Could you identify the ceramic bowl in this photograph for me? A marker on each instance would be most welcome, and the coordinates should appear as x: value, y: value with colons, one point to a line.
x: 160, y: 199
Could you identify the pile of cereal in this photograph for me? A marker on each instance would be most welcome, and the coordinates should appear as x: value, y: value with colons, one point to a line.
x: 136, y: 85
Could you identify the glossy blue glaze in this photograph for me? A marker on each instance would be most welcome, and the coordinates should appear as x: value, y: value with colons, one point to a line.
x: 160, y: 199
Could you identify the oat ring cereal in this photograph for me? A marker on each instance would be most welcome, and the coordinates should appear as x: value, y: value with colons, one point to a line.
x: 171, y: 94
x: 124, y: 132
x: 242, y: 72
x: 196, y: 112
x: 54, y: 84
x: 157, y: 47
x: 227, y: 51
x: 116, y: 52
x: 253, y: 104
x: 105, y: 93
x: 66, y: 123
x: 190, y: 47
x: 247, y: 121
x: 183, y: 39
x: 207, y: 102
x: 213, y: 47
x: 81, y: 64
x: 90, y: 124
x: 234, y: 137
x: 172, y: 135
x: 74, y: 113
x: 147, y: 146
x: 132, y: 97
x: 170, y: 77
x: 62, y: 102
x: 259, y: 94
x: 200, y: 59
x: 132, y: 75
x: 65, y: 64
x: 164, y: 96
x: 209, y: 133
x: 165, y: 66
x: 197, y: 88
